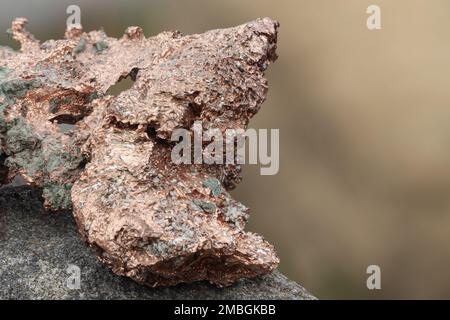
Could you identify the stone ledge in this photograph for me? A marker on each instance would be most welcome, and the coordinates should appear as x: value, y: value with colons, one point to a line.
x: 37, y: 247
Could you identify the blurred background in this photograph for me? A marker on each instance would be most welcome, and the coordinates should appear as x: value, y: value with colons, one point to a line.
x: 364, y: 119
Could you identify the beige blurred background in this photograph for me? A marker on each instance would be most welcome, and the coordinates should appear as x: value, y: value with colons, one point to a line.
x: 364, y: 120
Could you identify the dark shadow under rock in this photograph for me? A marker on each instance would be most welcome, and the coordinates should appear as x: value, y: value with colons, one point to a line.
x: 37, y: 247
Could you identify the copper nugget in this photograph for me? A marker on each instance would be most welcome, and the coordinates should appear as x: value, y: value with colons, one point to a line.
x: 108, y: 158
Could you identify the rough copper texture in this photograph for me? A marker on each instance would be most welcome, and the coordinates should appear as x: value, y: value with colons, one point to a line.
x: 146, y: 218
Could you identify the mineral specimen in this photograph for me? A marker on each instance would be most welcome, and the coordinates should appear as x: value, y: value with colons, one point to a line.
x: 109, y: 157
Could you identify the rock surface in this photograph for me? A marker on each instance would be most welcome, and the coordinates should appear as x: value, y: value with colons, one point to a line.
x: 36, y: 248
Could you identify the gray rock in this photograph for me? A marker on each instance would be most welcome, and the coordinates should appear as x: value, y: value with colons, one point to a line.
x: 37, y: 247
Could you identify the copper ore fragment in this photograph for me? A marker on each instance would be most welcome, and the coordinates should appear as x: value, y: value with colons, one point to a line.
x: 146, y: 218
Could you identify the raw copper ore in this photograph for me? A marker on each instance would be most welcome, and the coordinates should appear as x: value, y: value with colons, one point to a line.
x: 108, y: 158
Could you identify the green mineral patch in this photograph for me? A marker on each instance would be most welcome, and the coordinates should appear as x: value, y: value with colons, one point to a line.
x: 205, y: 205
x: 214, y: 185
x: 3, y: 126
x: 63, y: 160
x: 94, y: 95
x: 20, y: 136
x: 4, y: 71
x: 31, y: 161
x: 58, y: 196
x: 55, y: 162
x: 101, y: 45
x: 80, y: 47
x: 16, y: 88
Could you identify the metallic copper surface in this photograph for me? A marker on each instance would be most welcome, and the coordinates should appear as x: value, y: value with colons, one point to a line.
x: 108, y: 157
